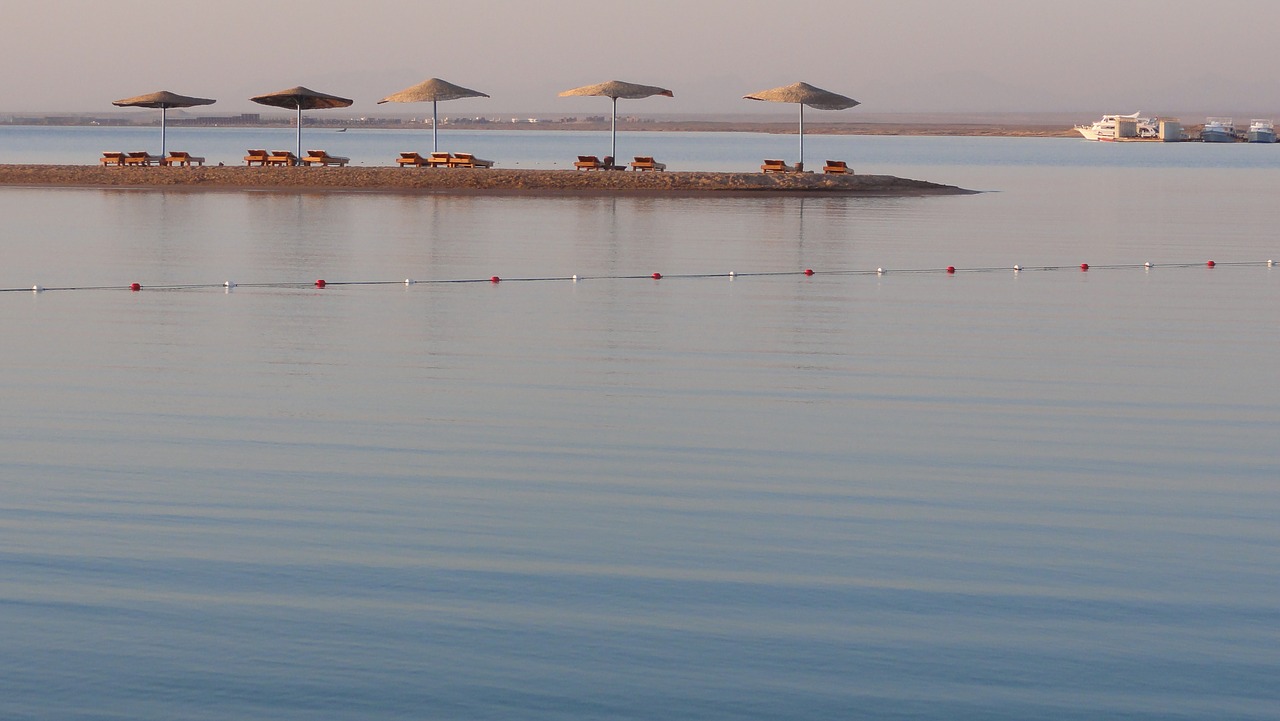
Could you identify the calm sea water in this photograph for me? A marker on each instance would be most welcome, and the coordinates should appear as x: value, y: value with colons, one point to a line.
x: 1049, y: 494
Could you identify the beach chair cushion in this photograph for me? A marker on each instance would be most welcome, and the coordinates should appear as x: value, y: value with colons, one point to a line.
x: 776, y: 166
x: 588, y: 162
x: 141, y: 157
x: 180, y: 157
x: 411, y: 159
x: 467, y: 160
x: 320, y: 157
x: 644, y: 162
x: 836, y: 167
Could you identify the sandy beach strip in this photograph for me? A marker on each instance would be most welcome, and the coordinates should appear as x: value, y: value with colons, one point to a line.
x: 463, y: 180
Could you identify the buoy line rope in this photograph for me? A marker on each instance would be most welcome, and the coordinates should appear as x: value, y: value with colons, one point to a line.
x: 949, y: 270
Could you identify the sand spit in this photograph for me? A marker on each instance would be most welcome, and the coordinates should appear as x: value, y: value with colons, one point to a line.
x: 464, y: 181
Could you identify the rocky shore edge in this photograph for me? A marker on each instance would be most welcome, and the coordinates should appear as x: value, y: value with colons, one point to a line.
x: 465, y: 180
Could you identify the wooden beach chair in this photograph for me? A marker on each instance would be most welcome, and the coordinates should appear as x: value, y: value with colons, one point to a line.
x: 467, y: 160
x: 141, y: 158
x: 439, y: 159
x: 179, y: 157
x: 837, y: 167
x: 112, y: 159
x: 411, y: 160
x: 643, y: 162
x: 320, y: 157
x: 281, y: 157
x: 588, y: 162
x: 258, y: 157
x: 776, y: 166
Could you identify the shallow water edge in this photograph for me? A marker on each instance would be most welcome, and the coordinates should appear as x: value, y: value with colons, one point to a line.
x: 468, y: 180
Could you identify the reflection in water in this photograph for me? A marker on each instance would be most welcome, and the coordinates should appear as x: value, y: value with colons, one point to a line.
x: 967, y: 496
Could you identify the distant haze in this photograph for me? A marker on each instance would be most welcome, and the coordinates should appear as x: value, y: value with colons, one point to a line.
x: 905, y: 56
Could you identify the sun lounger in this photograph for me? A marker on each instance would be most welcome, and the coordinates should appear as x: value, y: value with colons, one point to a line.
x: 112, y: 159
x: 412, y: 160
x: 776, y: 166
x: 646, y: 163
x: 258, y: 157
x: 141, y: 157
x: 179, y: 157
x: 837, y: 167
x: 281, y: 157
x: 588, y: 162
x: 439, y: 159
x: 467, y: 160
x: 320, y: 157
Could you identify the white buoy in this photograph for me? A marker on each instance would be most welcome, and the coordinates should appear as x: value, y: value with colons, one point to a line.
x: 575, y: 277
x: 408, y: 281
x: 732, y: 274
x: 1147, y: 264
x: 1270, y: 263
x: 37, y: 288
x: 1017, y: 268
x: 879, y: 271
x: 229, y: 284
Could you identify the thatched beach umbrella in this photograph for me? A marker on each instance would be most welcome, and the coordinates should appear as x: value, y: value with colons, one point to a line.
x: 433, y: 90
x: 163, y: 100
x: 804, y: 94
x: 301, y: 98
x: 617, y: 89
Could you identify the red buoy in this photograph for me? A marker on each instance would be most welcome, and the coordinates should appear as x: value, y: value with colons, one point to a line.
x: 494, y: 279
x: 951, y: 269
x: 808, y: 271
x: 1211, y: 264
x: 320, y: 283
x: 135, y: 286
x: 1084, y: 266
x: 657, y: 276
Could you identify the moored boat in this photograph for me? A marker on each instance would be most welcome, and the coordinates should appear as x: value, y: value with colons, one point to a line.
x: 1262, y: 131
x: 1117, y: 127
x: 1218, y: 130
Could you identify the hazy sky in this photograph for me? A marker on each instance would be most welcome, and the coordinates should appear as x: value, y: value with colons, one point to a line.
x: 898, y: 56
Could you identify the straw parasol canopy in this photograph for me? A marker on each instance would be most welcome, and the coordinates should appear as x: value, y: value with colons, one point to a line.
x: 164, y: 100
x: 300, y: 99
x: 617, y: 89
x: 433, y: 90
x: 804, y: 94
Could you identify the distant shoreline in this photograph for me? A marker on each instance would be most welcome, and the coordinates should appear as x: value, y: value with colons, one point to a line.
x: 1010, y: 130
x: 466, y: 181
x: 924, y: 128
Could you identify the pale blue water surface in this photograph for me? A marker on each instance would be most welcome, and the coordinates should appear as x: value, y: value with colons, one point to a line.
x: 1043, y: 495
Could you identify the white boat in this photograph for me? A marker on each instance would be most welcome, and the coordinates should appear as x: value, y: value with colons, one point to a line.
x: 1262, y: 131
x: 1108, y: 128
x: 1218, y: 130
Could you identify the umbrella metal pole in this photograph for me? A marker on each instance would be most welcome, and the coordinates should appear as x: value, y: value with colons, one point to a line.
x: 299, y: 134
x: 613, y: 133
x: 802, y: 135
x: 435, y: 123
x: 163, y: 111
